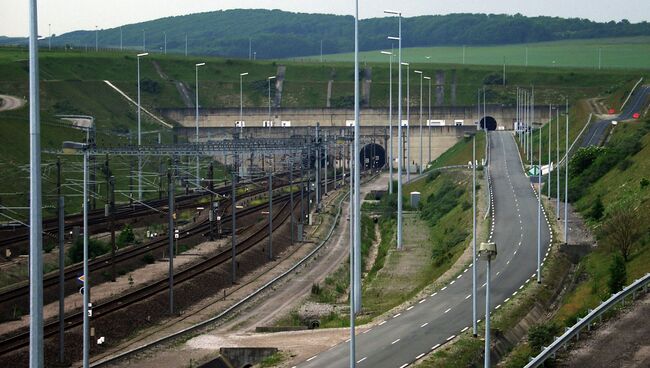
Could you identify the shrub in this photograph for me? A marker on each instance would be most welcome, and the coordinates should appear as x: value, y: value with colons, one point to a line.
x: 95, y: 248
x: 148, y: 258
x: 126, y: 236
x: 540, y: 335
x: 625, y: 164
x: 316, y: 289
x: 150, y: 86
x: 617, y: 274
x: 597, y: 209
x: 644, y: 183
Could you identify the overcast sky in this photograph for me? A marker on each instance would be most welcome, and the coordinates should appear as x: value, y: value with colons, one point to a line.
x: 69, y: 15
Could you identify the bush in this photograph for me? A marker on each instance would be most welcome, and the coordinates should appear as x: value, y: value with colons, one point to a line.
x: 540, y: 335
x: 150, y: 86
x: 48, y: 246
x: 316, y: 289
x: 95, y: 248
x: 148, y: 258
x: 617, y: 274
x: 597, y: 209
x: 625, y: 164
x: 126, y: 236
x: 644, y: 183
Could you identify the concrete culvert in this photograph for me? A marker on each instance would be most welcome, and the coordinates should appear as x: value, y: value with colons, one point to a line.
x: 314, y: 324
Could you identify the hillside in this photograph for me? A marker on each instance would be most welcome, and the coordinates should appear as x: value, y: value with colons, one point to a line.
x: 280, y: 34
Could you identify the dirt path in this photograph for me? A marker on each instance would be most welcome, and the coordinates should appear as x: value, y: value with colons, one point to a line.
x: 622, y: 342
x: 10, y: 103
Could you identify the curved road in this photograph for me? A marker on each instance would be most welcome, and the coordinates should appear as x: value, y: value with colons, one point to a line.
x: 430, y: 322
x: 594, y: 136
x: 10, y: 102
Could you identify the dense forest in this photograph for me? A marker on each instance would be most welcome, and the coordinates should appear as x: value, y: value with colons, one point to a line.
x: 280, y: 34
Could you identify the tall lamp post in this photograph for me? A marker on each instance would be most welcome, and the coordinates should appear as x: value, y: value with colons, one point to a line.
x: 390, y: 120
x: 429, y: 120
x: 489, y: 252
x: 72, y: 148
x: 421, y: 77
x: 35, y: 194
x: 408, y: 121
x: 139, y: 129
x: 270, y: 79
x: 399, y: 126
x: 198, y: 161
x: 241, y: 100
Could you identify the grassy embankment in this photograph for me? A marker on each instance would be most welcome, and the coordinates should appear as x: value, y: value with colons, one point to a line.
x: 622, y: 52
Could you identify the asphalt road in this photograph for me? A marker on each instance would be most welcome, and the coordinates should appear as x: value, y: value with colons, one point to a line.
x: 10, y: 102
x: 595, y: 133
x: 435, y: 320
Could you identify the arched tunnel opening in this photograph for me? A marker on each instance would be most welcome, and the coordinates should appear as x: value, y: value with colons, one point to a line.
x: 490, y: 121
x: 372, y: 156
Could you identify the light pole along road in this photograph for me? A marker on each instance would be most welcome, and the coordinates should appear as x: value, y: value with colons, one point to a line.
x: 401, y: 339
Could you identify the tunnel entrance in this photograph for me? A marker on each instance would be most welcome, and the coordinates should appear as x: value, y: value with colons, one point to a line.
x: 372, y: 156
x: 490, y: 121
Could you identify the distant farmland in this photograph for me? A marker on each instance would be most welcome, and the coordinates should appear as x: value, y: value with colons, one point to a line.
x: 620, y: 53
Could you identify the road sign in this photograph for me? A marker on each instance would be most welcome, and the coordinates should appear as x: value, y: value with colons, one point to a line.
x: 81, y: 279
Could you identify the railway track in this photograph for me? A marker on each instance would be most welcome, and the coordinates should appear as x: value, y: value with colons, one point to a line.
x: 75, y: 319
x: 10, y: 295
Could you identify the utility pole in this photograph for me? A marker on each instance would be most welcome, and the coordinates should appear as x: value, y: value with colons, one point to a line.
x: 357, y: 172
x: 171, y: 234
x: 121, y: 46
x: 291, y: 200
x: 165, y: 41
x: 318, y: 168
x: 321, y: 51
x: 186, y: 44
x: 557, y: 159
x: 61, y: 236
x: 539, y: 209
x: 270, y: 252
x: 233, y: 207
x: 211, y: 190
x: 474, y: 300
x: 566, y: 177
x: 504, y: 71
x: 421, y: 76
x: 35, y: 194
x: 550, y: 125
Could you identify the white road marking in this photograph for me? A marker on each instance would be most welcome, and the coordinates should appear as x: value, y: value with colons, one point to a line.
x: 381, y: 323
x: 397, y: 315
x: 451, y: 337
x: 464, y: 329
x: 498, y: 306
x: 435, y: 346
x: 419, y: 356
x: 312, y: 358
x: 434, y: 294
x: 424, y: 324
x: 409, y: 308
x: 395, y: 342
x: 451, y: 283
x: 361, y: 360
x: 506, y: 300
x: 468, y: 296
x: 404, y: 365
x: 443, y: 289
x: 447, y: 311
x: 422, y: 301
x: 459, y: 276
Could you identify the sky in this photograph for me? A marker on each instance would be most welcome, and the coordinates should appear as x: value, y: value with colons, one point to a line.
x: 69, y: 15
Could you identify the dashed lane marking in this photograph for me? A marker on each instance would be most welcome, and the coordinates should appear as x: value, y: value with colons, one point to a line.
x: 395, y: 342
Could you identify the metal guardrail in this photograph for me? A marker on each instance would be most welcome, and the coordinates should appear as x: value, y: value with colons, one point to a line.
x: 586, y: 321
x: 199, y: 326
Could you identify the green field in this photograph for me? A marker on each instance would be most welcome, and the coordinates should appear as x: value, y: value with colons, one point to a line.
x: 617, y: 53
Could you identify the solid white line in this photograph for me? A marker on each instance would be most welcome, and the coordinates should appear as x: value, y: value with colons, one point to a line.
x: 312, y: 358
x: 447, y: 311
x: 451, y: 337
x: 394, y: 342
x: 361, y: 360
x: 419, y: 356
x: 424, y: 324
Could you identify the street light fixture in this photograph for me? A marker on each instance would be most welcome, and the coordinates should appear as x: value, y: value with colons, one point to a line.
x: 421, y: 76
x: 399, y: 125
x: 489, y: 252
x: 72, y: 148
x: 197, y: 121
x: 139, y: 129
x: 390, y: 119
